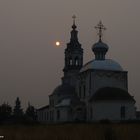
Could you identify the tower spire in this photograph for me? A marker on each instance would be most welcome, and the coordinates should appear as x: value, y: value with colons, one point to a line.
x: 100, y: 27
x: 74, y: 26
x: 74, y: 32
x: 73, y: 56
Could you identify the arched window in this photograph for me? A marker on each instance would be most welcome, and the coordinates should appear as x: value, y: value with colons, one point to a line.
x: 91, y: 113
x: 76, y: 61
x: 84, y: 91
x: 70, y: 61
x: 47, y: 115
x: 80, y: 91
x: 122, y: 112
x: 81, y: 61
x: 58, y: 114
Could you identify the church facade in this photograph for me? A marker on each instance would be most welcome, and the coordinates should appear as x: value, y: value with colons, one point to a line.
x: 95, y: 91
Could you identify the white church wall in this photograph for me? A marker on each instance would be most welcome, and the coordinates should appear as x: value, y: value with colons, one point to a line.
x: 43, y: 115
x: 54, y: 99
x: 83, y: 82
x: 102, y: 79
x: 111, y: 110
x: 63, y: 114
x: 94, y: 80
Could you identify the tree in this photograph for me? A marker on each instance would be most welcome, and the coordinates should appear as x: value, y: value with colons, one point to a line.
x: 18, y: 112
x: 5, y: 112
x: 31, y: 113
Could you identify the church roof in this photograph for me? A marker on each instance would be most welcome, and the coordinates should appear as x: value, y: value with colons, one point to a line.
x: 64, y: 102
x: 64, y: 89
x: 69, y: 102
x: 44, y: 107
x: 100, y: 46
x: 111, y: 93
x: 107, y: 64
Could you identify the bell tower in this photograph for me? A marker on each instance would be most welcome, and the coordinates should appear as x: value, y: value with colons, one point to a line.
x: 73, y: 57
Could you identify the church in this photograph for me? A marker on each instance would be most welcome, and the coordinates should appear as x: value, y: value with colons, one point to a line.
x: 95, y: 91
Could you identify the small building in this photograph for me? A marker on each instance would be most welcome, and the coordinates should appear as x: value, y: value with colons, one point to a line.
x: 95, y: 91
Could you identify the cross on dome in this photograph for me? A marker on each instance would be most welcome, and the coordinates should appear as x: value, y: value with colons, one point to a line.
x: 100, y: 27
x: 74, y: 17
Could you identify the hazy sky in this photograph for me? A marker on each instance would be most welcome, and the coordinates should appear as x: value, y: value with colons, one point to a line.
x: 30, y: 64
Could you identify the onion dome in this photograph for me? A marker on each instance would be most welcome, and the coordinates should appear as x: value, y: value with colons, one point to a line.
x: 100, y: 49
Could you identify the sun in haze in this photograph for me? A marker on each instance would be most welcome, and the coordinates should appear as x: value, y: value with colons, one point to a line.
x: 57, y: 43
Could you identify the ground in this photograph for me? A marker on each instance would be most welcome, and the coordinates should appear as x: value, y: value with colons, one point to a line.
x: 129, y: 131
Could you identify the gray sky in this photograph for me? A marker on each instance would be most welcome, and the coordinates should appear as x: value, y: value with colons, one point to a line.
x: 30, y: 64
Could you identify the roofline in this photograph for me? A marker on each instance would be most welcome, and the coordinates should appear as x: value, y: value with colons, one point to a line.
x: 42, y: 108
x: 96, y: 70
x: 102, y: 99
x: 98, y: 100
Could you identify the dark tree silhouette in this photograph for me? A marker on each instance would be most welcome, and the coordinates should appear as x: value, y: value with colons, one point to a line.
x: 5, y: 112
x: 18, y: 112
x: 31, y: 113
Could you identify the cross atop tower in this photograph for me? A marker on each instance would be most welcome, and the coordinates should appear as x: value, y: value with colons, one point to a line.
x: 74, y: 17
x: 74, y: 26
x: 100, y: 27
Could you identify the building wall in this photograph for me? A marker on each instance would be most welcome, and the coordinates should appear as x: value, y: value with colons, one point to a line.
x: 51, y: 115
x: 87, y: 84
x: 63, y: 114
x: 43, y: 115
x: 93, y: 80
x: 111, y: 110
x: 102, y: 79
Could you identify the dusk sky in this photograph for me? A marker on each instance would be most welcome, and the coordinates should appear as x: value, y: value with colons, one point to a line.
x: 30, y: 63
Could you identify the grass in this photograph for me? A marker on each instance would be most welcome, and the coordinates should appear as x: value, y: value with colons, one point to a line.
x: 71, y: 132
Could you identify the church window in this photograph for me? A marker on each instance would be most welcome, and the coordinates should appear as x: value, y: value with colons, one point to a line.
x: 123, y: 112
x: 80, y: 91
x: 52, y: 115
x: 91, y: 112
x: 70, y: 62
x: 52, y: 102
x: 58, y: 114
x: 44, y: 116
x: 81, y: 61
x: 47, y: 115
x: 84, y: 91
x: 76, y: 61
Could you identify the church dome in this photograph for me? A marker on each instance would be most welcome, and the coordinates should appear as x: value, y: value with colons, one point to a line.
x: 100, y: 46
x: 64, y: 89
x: 107, y: 64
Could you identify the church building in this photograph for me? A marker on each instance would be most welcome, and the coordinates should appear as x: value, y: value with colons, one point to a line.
x: 95, y: 91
